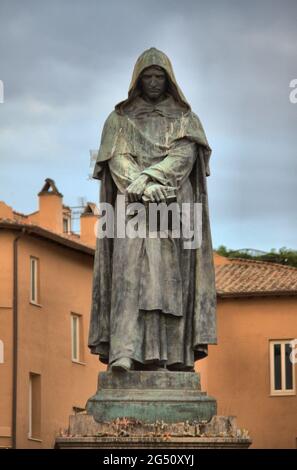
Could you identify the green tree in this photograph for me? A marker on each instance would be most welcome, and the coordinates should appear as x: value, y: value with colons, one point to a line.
x: 282, y: 256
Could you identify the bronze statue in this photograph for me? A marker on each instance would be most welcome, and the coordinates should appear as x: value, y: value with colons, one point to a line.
x: 154, y: 301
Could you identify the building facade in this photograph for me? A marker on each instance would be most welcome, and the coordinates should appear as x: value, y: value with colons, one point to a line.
x: 250, y: 370
x: 47, y: 372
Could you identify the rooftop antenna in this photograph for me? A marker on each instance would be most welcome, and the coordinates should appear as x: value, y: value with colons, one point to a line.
x: 76, y: 212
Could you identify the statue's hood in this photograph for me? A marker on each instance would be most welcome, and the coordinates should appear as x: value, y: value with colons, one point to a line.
x: 148, y: 58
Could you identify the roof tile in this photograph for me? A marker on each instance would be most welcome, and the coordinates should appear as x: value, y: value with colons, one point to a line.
x: 247, y: 277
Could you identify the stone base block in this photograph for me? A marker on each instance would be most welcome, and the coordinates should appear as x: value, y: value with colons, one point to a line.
x: 85, y: 433
x: 150, y: 396
x: 151, y: 409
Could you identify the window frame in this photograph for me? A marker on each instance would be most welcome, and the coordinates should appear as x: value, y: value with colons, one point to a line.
x: 30, y: 410
x: 34, y: 289
x: 1, y: 351
x: 67, y: 222
x: 77, y: 317
x: 283, y: 391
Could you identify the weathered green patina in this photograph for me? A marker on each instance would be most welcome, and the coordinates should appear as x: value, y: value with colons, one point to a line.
x: 171, y: 397
x: 153, y: 300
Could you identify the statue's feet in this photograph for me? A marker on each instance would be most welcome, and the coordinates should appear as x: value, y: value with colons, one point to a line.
x: 122, y: 364
x: 153, y: 367
x: 158, y: 368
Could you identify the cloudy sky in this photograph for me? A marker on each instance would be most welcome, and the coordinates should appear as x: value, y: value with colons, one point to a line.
x: 66, y: 63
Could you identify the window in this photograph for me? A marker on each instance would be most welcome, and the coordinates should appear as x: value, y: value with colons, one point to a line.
x: 1, y: 352
x: 34, y: 280
x: 76, y: 338
x: 66, y: 225
x: 34, y: 406
x: 282, y: 377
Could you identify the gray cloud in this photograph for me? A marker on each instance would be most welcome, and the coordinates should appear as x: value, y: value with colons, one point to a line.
x: 66, y: 63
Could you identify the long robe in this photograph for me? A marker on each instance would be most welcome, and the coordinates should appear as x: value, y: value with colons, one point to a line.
x: 153, y: 300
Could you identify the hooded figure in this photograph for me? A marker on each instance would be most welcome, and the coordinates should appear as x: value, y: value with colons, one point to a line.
x: 154, y: 300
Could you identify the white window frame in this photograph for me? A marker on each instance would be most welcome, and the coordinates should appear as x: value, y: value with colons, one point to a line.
x: 283, y: 391
x: 30, y: 407
x: 75, y: 341
x: 30, y: 416
x: 1, y: 352
x: 68, y: 227
x: 34, y: 280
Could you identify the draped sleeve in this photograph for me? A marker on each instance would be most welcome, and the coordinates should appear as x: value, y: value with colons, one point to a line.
x: 112, y: 132
x: 124, y: 170
x: 176, y: 166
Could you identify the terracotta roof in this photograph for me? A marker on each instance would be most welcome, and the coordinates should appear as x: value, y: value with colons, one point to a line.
x: 20, y: 214
x: 41, y: 232
x: 255, y: 278
x: 235, y: 278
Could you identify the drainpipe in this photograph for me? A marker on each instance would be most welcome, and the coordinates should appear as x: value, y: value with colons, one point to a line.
x: 15, y: 338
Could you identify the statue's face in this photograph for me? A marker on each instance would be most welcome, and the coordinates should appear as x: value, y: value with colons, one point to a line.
x: 153, y: 82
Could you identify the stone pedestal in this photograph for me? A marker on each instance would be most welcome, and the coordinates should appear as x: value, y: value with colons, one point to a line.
x: 151, y: 396
x: 151, y: 409
x: 123, y: 433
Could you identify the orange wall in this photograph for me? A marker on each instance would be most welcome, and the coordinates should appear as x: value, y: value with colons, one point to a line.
x: 50, y: 214
x: 45, y: 337
x: 237, y: 371
x: 87, y: 229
